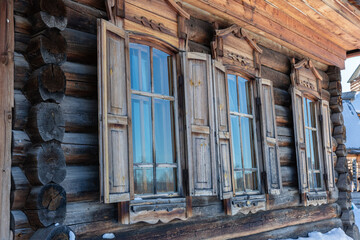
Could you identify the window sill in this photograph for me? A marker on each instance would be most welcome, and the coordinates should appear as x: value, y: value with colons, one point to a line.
x: 248, y: 204
x: 153, y: 211
x: 316, y: 198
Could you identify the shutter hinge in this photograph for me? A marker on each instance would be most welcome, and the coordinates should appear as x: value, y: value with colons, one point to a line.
x: 258, y: 101
x: 264, y: 181
x: 321, y: 118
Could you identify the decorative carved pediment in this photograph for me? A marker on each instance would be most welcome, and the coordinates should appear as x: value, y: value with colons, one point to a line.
x: 235, y: 48
x: 162, y: 19
x: 316, y: 198
x: 248, y: 204
x: 305, y: 77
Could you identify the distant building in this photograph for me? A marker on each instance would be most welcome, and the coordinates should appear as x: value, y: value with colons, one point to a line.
x: 355, y: 80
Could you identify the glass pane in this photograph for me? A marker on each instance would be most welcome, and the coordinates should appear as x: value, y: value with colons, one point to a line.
x: 314, y: 152
x: 140, y: 67
x: 247, y: 138
x: 251, y: 180
x: 141, y: 129
x: 235, y: 134
x: 165, y: 180
x: 244, y: 95
x: 162, y: 77
x: 233, y: 98
x: 164, y: 134
x: 306, y: 112
x: 317, y: 180
x: 312, y: 115
x: 308, y: 147
x: 143, y: 180
x: 239, y: 181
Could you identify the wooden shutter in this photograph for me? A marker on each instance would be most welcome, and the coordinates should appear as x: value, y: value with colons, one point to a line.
x: 200, y: 138
x: 115, y: 140
x: 269, y: 136
x: 222, y: 126
x: 327, y: 145
x: 300, y: 144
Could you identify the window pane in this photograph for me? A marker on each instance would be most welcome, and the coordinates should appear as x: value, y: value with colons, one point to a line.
x: 306, y: 112
x: 314, y: 152
x: 235, y: 134
x: 233, y: 98
x: 141, y: 129
x: 244, y: 95
x: 162, y: 78
x: 143, y: 181
x: 248, y: 142
x: 251, y: 180
x: 165, y: 180
x: 164, y: 135
x: 317, y: 180
x: 311, y: 113
x: 239, y: 181
x: 140, y: 67
x: 308, y: 147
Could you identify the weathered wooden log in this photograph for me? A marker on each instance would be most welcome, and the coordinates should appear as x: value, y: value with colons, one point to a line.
x: 335, y: 88
x: 336, y: 108
x: 287, y: 156
x: 279, y: 79
x: 344, y: 200
x: 337, y: 119
x: 80, y: 114
x: 46, y: 47
x: 49, y: 14
x: 341, y: 165
x: 341, y: 129
x: 344, y: 182
x: 79, y: 148
x: 348, y: 217
x: 276, y: 61
x: 334, y: 73
x: 81, y: 183
x: 58, y: 232
x: 46, y: 83
x: 334, y: 144
x: 325, y: 81
x: 289, y: 175
x: 200, y: 31
x: 285, y: 141
x: 325, y: 95
x: 81, y: 46
x: 335, y: 100
x: 282, y: 97
x: 22, y: 25
x: 20, y: 188
x: 45, y: 163
x: 46, y: 205
x: 45, y: 123
x: 352, y: 231
x: 341, y: 150
x: 283, y: 115
x: 285, y: 131
x: 22, y: 71
x: 340, y: 139
x: 82, y: 17
x: 21, y: 42
x: 20, y: 225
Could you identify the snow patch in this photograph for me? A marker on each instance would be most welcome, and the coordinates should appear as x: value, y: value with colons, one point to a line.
x: 357, y: 215
x: 71, y: 235
x: 334, y: 234
x: 57, y: 224
x: 108, y: 236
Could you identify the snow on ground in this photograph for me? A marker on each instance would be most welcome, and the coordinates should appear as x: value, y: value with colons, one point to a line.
x: 357, y: 215
x: 334, y: 234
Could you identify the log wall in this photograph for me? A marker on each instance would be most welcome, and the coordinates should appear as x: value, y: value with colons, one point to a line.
x: 85, y: 215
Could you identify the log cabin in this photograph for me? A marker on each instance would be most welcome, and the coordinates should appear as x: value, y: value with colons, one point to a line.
x: 174, y: 119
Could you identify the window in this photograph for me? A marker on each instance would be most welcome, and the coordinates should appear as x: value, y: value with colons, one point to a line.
x: 312, y: 144
x: 153, y: 131
x: 245, y: 162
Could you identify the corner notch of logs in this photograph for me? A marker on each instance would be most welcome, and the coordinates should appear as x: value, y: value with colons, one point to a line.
x: 45, y: 166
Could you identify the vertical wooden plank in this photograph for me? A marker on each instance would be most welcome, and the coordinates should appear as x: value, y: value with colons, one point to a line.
x: 222, y: 130
x: 200, y: 124
x: 115, y: 139
x: 300, y: 144
x: 6, y: 104
x: 269, y: 136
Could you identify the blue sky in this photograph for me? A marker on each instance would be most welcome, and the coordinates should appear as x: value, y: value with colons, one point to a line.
x: 350, y: 66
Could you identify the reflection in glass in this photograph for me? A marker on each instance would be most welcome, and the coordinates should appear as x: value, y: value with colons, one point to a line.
x: 164, y: 140
x: 140, y: 67
x: 244, y: 95
x: 233, y: 96
x: 236, y: 145
x: 162, y: 78
x: 239, y: 181
x: 165, y: 180
x: 251, y: 180
x: 143, y: 181
x: 317, y: 180
x: 248, y: 143
x: 142, y: 131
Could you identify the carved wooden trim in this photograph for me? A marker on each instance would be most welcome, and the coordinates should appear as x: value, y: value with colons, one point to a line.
x: 178, y: 9
x: 248, y: 204
x: 316, y: 198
